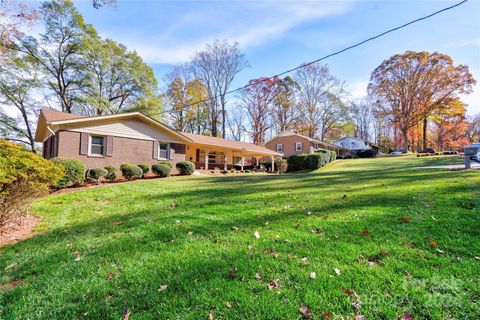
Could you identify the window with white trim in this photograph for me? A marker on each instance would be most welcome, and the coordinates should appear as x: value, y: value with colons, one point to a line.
x: 279, y: 147
x: 97, y: 145
x: 298, y: 146
x: 163, y: 149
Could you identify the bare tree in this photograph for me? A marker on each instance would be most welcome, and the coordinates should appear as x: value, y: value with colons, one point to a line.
x: 236, y: 122
x: 473, y: 131
x: 319, y: 95
x: 258, y: 101
x: 285, y: 108
x: 217, y: 66
x: 361, y: 114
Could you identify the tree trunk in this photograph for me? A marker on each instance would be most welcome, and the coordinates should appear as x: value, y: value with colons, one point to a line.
x: 425, y: 123
x: 405, y: 139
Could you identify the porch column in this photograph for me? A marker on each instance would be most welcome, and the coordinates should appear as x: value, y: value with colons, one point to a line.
x: 273, y: 164
x: 206, y: 159
x: 242, y: 164
x: 256, y: 161
x: 225, y: 161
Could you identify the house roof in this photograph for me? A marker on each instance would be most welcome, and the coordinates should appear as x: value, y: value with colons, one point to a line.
x: 55, y: 118
x: 359, y: 139
x: 231, y: 144
x: 292, y: 133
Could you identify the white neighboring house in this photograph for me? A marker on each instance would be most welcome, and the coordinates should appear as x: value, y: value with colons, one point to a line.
x: 355, y: 144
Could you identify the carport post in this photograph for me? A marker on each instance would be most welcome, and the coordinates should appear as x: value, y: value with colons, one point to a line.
x: 206, y: 159
x: 256, y: 161
x: 243, y: 161
x: 273, y: 164
x: 225, y: 161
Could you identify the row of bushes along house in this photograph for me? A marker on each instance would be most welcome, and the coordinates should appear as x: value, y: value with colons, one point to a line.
x: 310, y: 161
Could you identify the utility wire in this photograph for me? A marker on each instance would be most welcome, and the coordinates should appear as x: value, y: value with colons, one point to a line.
x: 324, y: 57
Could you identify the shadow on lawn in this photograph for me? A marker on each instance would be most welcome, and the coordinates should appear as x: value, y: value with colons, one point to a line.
x: 150, y: 232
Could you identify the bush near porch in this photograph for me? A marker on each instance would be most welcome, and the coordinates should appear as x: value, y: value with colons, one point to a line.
x: 310, y: 161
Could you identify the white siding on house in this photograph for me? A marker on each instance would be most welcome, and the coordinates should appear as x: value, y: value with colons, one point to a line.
x: 130, y: 128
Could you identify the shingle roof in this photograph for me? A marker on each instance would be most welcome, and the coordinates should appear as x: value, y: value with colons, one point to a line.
x: 233, y: 144
x: 54, y: 115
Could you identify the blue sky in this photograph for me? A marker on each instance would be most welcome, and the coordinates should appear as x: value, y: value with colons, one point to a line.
x: 279, y: 35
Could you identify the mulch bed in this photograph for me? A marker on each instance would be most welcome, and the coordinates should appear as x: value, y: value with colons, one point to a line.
x: 18, y: 231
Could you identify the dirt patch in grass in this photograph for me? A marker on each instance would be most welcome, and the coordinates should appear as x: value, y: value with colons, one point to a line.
x: 9, y: 285
x: 19, y: 230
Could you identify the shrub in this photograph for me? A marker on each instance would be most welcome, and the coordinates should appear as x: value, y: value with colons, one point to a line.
x: 167, y: 162
x: 308, y: 162
x: 131, y: 171
x: 368, y: 153
x: 74, y: 172
x: 185, y: 167
x: 314, y: 161
x: 282, y: 165
x: 145, y: 168
x: 23, y: 176
x: 96, y: 174
x: 112, y: 173
x: 161, y: 170
x: 295, y: 163
x: 224, y: 171
x: 333, y: 156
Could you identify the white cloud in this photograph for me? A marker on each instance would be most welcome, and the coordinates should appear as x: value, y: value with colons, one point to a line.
x: 473, y: 100
x: 249, y: 23
x: 464, y: 43
x: 357, y: 88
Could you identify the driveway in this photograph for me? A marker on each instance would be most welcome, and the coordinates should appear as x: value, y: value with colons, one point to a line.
x: 473, y: 165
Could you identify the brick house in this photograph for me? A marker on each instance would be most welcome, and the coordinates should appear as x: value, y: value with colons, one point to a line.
x: 291, y: 143
x: 133, y: 137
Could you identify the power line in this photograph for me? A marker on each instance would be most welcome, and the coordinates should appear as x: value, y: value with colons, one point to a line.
x: 325, y: 57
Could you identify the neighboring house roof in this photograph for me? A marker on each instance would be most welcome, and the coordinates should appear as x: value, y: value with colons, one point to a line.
x: 231, y: 144
x: 292, y: 133
x: 358, y: 139
x: 49, y: 120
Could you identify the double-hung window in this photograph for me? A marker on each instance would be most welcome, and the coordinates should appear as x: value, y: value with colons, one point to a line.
x: 97, y: 145
x: 298, y: 146
x: 163, y: 150
x: 279, y: 147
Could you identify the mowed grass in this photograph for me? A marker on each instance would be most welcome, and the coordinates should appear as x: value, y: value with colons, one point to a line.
x: 107, y: 249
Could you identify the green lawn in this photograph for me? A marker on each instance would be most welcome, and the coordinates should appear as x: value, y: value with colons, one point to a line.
x: 113, y: 247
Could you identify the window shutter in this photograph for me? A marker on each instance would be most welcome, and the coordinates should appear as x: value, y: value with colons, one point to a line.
x: 55, y: 146
x: 155, y: 150
x: 109, y: 146
x: 171, y: 154
x: 84, y: 143
x: 46, y: 145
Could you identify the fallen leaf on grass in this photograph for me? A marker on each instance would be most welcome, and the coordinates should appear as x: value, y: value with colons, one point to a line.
x: 163, y: 287
x: 440, y: 251
x: 406, y: 219
x: 313, y: 275
x: 359, y: 317
x: 433, y: 243
x: 407, y: 316
x: 69, y: 244
x: 305, y: 311
x: 190, y: 233
x: 126, y: 314
x: 109, y: 276
x: 210, y: 316
x: 365, y: 232
x: 337, y: 271
x: 77, y: 259
x: 256, y: 235
x: 274, y: 284
x: 349, y: 292
x: 314, y: 231
x: 117, y: 223
x: 304, y: 260
x: 258, y: 276
x: 234, y: 228
x: 228, y: 304
x: 327, y: 315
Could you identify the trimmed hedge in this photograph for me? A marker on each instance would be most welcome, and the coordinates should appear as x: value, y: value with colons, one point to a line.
x: 161, y: 170
x: 185, y: 167
x: 96, y: 174
x: 167, y: 162
x: 145, y: 168
x: 74, y: 172
x: 131, y: 171
x: 368, y: 153
x: 310, y: 161
x: 112, y: 173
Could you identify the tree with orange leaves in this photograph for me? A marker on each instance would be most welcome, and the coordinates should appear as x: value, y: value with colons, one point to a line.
x: 411, y: 86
